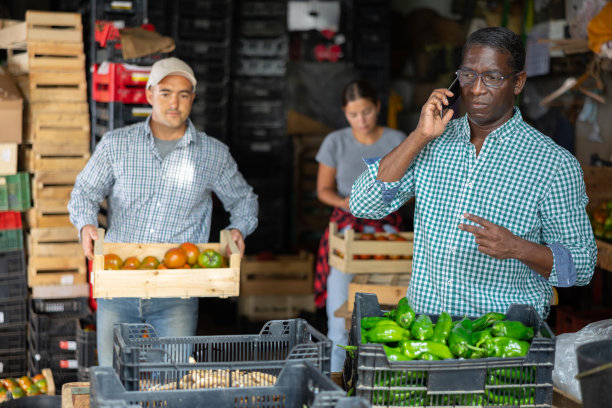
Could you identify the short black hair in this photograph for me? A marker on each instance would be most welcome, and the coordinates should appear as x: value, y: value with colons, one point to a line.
x: 502, y: 39
x: 357, y: 89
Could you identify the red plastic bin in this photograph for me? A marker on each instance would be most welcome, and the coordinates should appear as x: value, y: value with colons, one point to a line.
x: 116, y: 82
x: 10, y: 220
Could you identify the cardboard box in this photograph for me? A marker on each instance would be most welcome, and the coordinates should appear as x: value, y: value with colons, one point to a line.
x: 8, y: 159
x: 11, y: 109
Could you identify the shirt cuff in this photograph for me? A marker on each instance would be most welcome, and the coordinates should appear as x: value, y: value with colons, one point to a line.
x: 563, y: 266
x: 388, y: 189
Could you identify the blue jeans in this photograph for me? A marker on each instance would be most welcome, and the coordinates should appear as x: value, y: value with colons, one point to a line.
x: 337, y: 294
x: 171, y: 317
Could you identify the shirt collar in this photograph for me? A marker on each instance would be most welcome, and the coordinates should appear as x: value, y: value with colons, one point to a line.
x: 188, y: 137
x: 501, y: 133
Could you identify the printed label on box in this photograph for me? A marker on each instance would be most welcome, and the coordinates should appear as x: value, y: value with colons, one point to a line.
x: 67, y: 280
x: 1, y: 317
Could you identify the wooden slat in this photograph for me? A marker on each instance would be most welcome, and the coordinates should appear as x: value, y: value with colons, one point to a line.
x: 54, y: 158
x: 54, y: 242
x: 56, y: 57
x: 389, y: 288
x: 287, y: 274
x: 36, y: 218
x: 56, y: 271
x: 274, y: 307
x: 56, y: 87
x: 61, y: 128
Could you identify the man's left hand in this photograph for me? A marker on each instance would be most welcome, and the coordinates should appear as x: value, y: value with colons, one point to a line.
x: 492, y: 239
x: 238, y: 239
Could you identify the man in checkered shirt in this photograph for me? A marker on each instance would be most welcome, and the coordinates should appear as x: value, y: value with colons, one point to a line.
x: 500, y: 208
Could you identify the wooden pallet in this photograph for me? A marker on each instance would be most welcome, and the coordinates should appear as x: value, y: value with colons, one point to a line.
x: 56, y: 271
x: 32, y: 111
x: 389, y: 288
x: 274, y: 307
x: 54, y: 242
x: 287, y: 274
x: 39, y: 158
x: 42, y: 26
x: 53, y: 86
x: 47, y: 57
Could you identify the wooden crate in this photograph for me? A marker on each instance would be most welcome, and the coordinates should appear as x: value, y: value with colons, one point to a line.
x: 52, y: 189
x: 39, y: 158
x: 274, y: 307
x: 56, y: 271
x: 42, y: 56
x: 47, y: 86
x: 287, y: 274
x: 54, y: 242
x: 389, y: 287
x: 183, y: 283
x: 39, y: 218
x: 344, y: 248
x: 42, y: 26
x: 33, y: 110
x: 59, y: 128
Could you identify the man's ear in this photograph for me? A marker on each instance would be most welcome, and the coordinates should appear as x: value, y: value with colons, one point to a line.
x: 149, y: 95
x: 519, y: 82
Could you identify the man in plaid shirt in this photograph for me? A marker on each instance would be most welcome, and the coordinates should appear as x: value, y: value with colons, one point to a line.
x: 158, y: 176
x: 500, y: 208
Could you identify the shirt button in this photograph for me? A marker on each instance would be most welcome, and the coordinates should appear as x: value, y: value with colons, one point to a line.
x: 450, y: 282
x: 469, y: 184
x: 452, y: 249
x: 460, y: 215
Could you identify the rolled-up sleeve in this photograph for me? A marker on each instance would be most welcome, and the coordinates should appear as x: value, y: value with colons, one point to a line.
x: 375, y: 199
x: 565, y: 222
x: 92, y: 185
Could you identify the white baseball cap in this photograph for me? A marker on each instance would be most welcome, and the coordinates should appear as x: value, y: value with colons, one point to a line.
x: 170, y: 66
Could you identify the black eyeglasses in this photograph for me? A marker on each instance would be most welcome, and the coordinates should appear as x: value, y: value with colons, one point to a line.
x: 492, y: 79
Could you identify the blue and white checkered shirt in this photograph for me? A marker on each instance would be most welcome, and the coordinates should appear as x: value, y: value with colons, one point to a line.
x: 521, y: 180
x: 155, y: 200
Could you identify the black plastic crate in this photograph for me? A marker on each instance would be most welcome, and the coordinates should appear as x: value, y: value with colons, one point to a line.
x: 255, y: 132
x: 277, y: 342
x: 203, y: 51
x: 202, y: 28
x: 204, y: 8
x: 83, y: 374
x: 12, y: 312
x: 212, y: 93
x: 261, y: 112
x: 13, y: 338
x: 260, y: 47
x: 299, y: 384
x: 373, y: 37
x: 112, y: 52
x: 263, y: 9
x: 121, y: 113
x: 209, y: 72
x: 87, y: 352
x: 79, y: 305
x: 53, y: 324
x: 52, y: 344
x: 56, y: 362
x: 258, y: 88
x: 13, y: 363
x: 131, y: 12
x: 12, y: 264
x: 266, y: 67
x: 263, y: 28
x: 457, y: 381
x: 371, y: 56
x: 213, y: 113
x: 13, y: 286
x: 60, y: 376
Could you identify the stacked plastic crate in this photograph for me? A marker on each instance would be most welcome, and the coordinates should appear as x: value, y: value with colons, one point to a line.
x: 52, y: 336
x: 202, y: 31
x: 13, y: 294
x: 117, y: 84
x: 47, y: 59
x: 259, y: 117
x: 371, y: 44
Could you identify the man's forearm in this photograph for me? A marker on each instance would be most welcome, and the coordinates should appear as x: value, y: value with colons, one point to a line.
x: 536, y: 256
x: 394, y: 165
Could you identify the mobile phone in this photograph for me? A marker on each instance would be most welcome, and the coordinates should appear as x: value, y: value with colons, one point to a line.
x: 455, y: 88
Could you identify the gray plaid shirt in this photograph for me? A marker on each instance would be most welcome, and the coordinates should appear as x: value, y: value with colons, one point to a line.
x: 521, y: 180
x: 155, y: 200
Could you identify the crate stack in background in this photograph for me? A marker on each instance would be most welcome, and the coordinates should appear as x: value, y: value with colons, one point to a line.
x: 202, y: 31
x: 52, y: 336
x: 46, y: 57
x: 259, y: 118
x: 371, y: 38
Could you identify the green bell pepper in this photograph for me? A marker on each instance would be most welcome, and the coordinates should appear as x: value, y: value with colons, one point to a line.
x: 460, y: 339
x: 505, y: 347
x: 428, y: 357
x: 386, y: 334
x: 404, y: 315
x: 395, y: 354
x: 414, y: 348
x: 442, y: 328
x: 511, y: 328
x: 478, y: 338
x: 369, y: 322
x: 422, y: 328
x: 487, y: 320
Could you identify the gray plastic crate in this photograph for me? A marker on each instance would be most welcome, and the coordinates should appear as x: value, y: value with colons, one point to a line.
x: 456, y: 382
x: 136, y: 357
x: 299, y: 384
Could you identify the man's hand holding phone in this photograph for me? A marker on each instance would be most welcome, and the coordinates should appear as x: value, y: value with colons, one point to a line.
x: 455, y: 88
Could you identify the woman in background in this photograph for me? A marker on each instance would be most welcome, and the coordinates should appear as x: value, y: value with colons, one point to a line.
x: 340, y: 159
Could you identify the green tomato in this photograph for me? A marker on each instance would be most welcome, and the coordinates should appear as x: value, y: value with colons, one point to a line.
x: 210, y: 258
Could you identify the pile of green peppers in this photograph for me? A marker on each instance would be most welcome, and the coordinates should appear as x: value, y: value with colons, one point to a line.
x: 406, y: 336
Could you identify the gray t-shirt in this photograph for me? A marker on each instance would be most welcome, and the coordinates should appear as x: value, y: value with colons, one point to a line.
x: 165, y: 146
x: 343, y: 152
